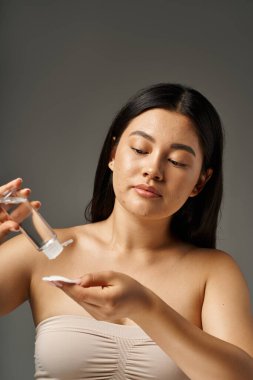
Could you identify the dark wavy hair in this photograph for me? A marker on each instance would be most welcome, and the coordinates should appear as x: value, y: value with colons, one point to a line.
x: 196, y: 221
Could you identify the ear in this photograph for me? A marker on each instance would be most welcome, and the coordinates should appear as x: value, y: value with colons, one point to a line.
x: 112, y: 156
x: 111, y: 164
x: 203, y: 179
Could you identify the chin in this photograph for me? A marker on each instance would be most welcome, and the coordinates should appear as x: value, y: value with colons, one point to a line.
x: 145, y: 212
x: 143, y: 209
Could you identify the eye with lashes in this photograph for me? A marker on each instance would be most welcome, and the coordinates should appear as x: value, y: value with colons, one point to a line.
x: 175, y: 163
x: 139, y: 151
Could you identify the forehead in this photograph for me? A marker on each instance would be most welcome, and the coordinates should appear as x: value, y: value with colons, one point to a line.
x: 163, y: 124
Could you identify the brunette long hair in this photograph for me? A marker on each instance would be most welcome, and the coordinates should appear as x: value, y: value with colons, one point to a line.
x: 196, y: 221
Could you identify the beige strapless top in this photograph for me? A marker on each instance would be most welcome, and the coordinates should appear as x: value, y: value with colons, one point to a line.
x: 72, y: 347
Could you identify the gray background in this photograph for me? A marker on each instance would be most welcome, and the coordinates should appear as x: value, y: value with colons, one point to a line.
x: 68, y: 66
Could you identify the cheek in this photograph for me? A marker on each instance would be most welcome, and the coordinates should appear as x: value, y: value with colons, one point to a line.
x: 121, y: 174
x: 125, y: 163
x: 123, y: 177
x: 182, y: 184
x: 126, y: 171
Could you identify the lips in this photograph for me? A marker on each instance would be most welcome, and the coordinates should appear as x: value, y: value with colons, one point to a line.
x: 148, y: 189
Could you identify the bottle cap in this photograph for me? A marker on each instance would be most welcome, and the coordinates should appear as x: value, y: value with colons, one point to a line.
x: 52, y: 248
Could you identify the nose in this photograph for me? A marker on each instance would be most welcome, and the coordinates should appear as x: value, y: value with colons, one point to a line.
x: 153, y: 172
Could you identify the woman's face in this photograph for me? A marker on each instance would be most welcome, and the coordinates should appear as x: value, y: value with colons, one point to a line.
x: 157, y: 164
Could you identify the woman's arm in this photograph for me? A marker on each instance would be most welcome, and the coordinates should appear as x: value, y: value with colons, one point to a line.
x: 223, y: 350
x: 16, y: 258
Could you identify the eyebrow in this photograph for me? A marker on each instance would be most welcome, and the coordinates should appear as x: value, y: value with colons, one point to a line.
x: 174, y: 146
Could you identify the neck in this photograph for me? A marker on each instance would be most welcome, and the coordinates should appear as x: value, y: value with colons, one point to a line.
x: 131, y: 233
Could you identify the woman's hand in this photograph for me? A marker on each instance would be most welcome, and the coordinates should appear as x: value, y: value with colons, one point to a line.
x: 6, y: 224
x: 109, y: 295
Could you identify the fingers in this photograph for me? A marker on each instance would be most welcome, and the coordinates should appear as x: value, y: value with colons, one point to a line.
x: 8, y: 226
x: 10, y: 222
x: 22, y: 211
x: 36, y: 204
x: 24, y: 192
x: 93, y: 288
x: 14, y: 184
x: 114, y: 294
x: 3, y: 216
x: 93, y: 296
x: 103, y: 279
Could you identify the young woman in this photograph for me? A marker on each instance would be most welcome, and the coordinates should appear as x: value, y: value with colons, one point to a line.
x: 154, y: 298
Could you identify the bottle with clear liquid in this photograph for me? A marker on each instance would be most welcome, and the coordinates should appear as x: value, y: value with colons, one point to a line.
x: 31, y: 223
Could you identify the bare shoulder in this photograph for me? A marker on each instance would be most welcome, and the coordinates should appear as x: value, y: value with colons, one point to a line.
x: 215, y: 262
x: 221, y: 265
x: 225, y: 279
x: 220, y: 272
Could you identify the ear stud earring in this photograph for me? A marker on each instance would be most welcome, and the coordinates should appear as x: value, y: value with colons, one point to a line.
x: 110, y: 164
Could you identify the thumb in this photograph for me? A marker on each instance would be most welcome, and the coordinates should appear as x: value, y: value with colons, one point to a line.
x: 105, y: 278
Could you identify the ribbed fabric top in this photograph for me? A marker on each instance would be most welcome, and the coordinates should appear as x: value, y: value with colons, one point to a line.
x: 72, y: 347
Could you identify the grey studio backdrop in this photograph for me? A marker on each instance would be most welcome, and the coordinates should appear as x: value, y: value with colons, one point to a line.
x: 68, y: 66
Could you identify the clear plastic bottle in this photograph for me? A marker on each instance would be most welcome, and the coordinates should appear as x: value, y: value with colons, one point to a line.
x: 31, y: 223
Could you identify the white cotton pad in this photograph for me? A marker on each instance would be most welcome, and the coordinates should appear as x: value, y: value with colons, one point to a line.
x: 60, y: 278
